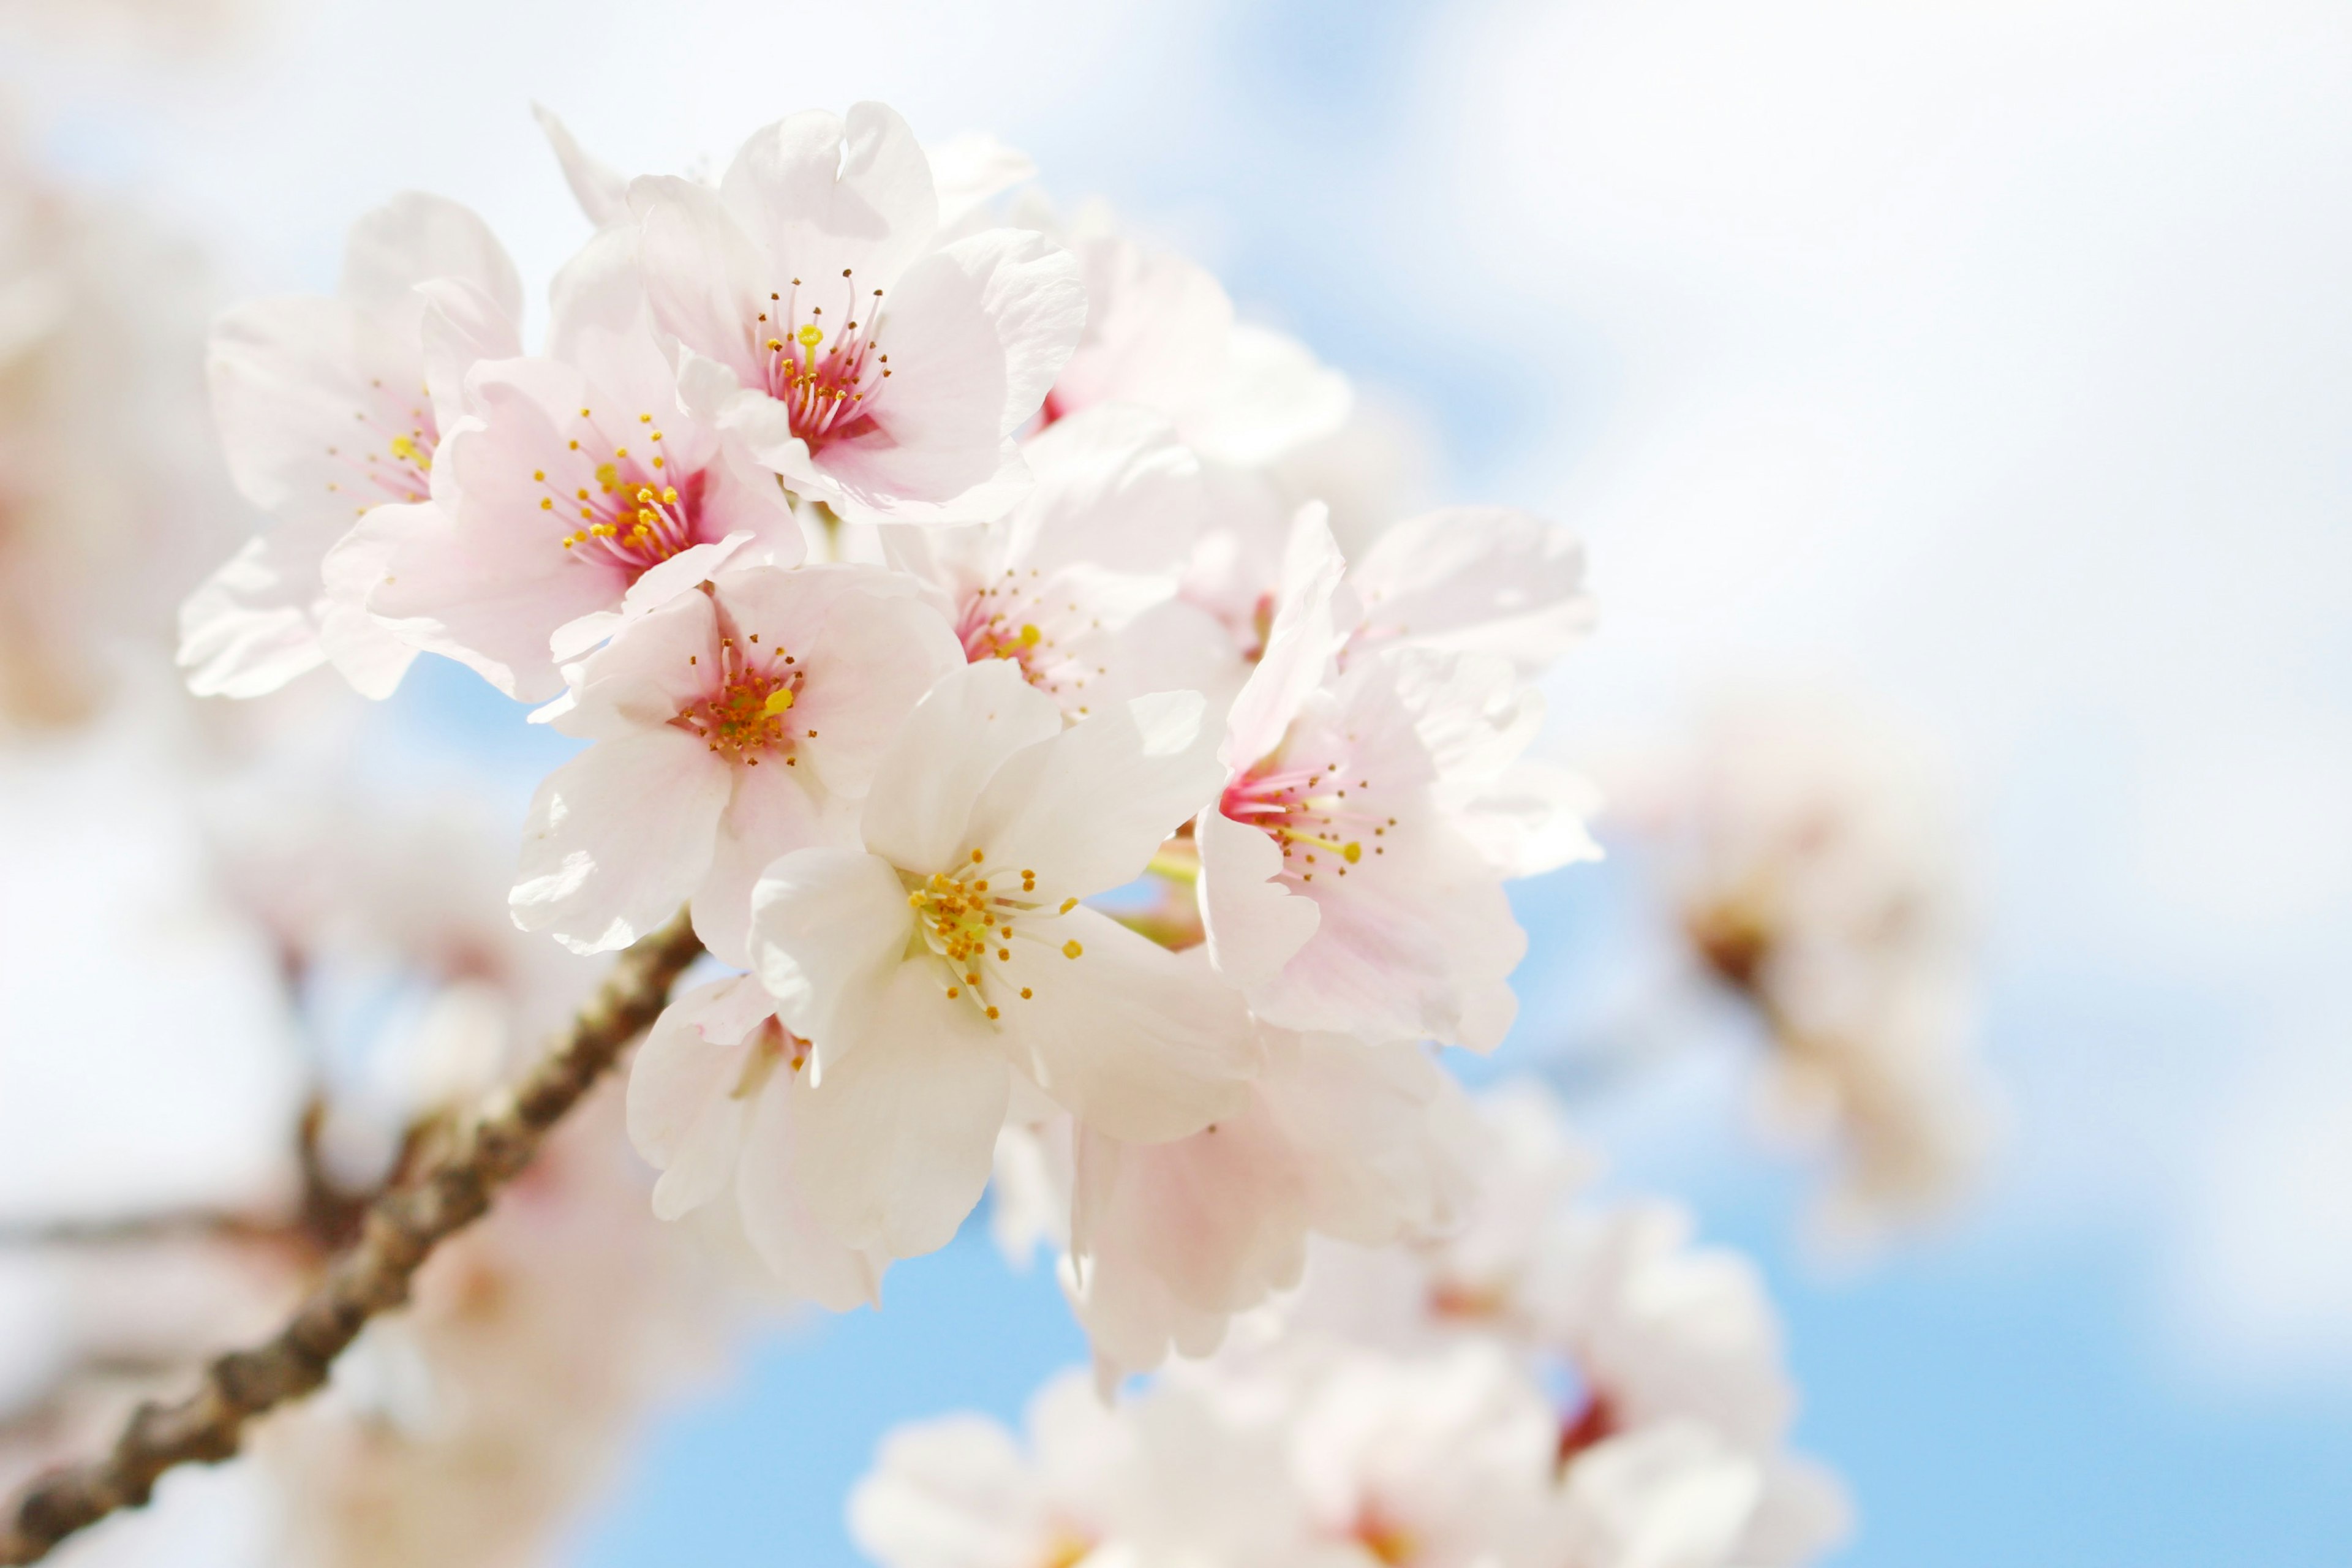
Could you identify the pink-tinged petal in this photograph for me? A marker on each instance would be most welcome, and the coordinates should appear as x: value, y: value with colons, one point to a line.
x: 782, y: 1227
x: 952, y: 744
x: 1476, y: 579
x: 952, y: 1492
x: 362, y: 648
x: 897, y: 1140
x: 1272, y: 394
x: 1087, y: 809
x: 704, y: 278
x: 769, y: 815
x: 1472, y: 715
x: 1255, y: 925
x: 600, y: 322
x: 461, y: 327
x: 414, y: 238
x: 1310, y: 624
x: 309, y: 395
x: 1156, y: 334
x: 820, y: 195
x: 617, y: 838
x: 246, y: 630
x: 1218, y: 1220
x: 1115, y: 489
x: 869, y: 661
x: 645, y: 677
x: 829, y: 929
x: 1143, y: 1043
x: 681, y: 573
x: 601, y: 193
x: 685, y: 1117
x: 1374, y: 1126
x: 738, y: 498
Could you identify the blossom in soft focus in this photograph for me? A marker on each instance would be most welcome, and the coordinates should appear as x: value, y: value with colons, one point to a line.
x: 330, y: 408
x: 1813, y: 868
x: 1543, y: 1381
x: 822, y: 323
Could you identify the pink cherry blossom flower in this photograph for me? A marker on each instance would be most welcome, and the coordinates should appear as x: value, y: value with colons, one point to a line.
x: 575, y: 497
x: 328, y: 408
x: 952, y: 952
x: 875, y: 369
x: 728, y: 724
x: 1337, y: 887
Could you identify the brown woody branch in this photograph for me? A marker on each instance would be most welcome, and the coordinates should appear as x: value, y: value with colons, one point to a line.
x: 370, y: 1275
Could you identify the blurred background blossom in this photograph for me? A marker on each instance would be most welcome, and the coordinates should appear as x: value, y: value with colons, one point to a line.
x: 1982, y: 369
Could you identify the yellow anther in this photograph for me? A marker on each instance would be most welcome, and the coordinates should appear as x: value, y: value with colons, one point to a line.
x: 1029, y: 636
x: 953, y: 992
x: 1071, y: 949
x: 991, y: 1012
x: 775, y: 345
x: 779, y: 700
x: 1069, y: 904
x: 402, y: 446
x: 607, y: 475
x: 547, y: 503
x: 1024, y: 993
x: 810, y: 335
x: 669, y: 497
x: 538, y: 473
x: 978, y: 856
x: 645, y: 418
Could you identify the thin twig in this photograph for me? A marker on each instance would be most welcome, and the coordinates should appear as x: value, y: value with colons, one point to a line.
x: 370, y: 1276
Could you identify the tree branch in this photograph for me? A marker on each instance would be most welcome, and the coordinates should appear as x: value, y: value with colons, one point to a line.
x: 446, y: 1193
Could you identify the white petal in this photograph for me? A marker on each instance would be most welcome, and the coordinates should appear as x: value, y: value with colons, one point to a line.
x: 1087, y: 809
x: 769, y: 815
x: 246, y: 630
x: 1255, y: 925
x: 779, y: 1223
x: 1309, y: 625
x: 1273, y: 396
x: 618, y: 837
x: 683, y: 1116
x: 414, y: 238
x: 952, y: 744
x: 896, y: 1143
x: 820, y: 195
x: 1530, y: 820
x: 657, y: 669
x: 703, y: 275
x: 603, y: 193
x: 1142, y: 1042
x: 1482, y: 579
x: 828, y: 930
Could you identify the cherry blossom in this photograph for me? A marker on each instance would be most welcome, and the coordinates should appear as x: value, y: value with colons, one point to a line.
x: 1161, y: 332
x: 1075, y: 585
x: 822, y: 324
x: 1344, y: 883
x: 330, y: 408
x: 952, y: 952
x: 576, y: 496
x: 727, y: 724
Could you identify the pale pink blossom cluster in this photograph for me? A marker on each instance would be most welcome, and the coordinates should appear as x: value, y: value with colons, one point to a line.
x: 941, y: 621
x: 1810, y: 858
x: 1556, y: 1383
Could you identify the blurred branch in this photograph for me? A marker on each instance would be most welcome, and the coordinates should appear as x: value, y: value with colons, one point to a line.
x: 440, y: 1197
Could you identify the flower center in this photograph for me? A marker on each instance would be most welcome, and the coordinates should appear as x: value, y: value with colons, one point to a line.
x: 1308, y: 811
x: 826, y: 374
x: 971, y: 923
x: 397, y: 464
x: 632, y: 512
x: 1387, y: 1540
x: 748, y: 714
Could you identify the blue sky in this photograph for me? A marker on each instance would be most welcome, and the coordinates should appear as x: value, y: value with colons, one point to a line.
x: 1990, y: 360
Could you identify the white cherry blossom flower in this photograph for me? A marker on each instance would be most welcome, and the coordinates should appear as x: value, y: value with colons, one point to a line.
x: 577, y: 495
x: 875, y: 369
x: 953, y: 950
x: 727, y: 723
x: 1075, y: 585
x: 328, y: 408
x: 1160, y: 331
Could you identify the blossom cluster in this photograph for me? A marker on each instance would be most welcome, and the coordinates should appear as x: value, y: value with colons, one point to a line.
x: 942, y: 625
x: 1559, y: 1383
